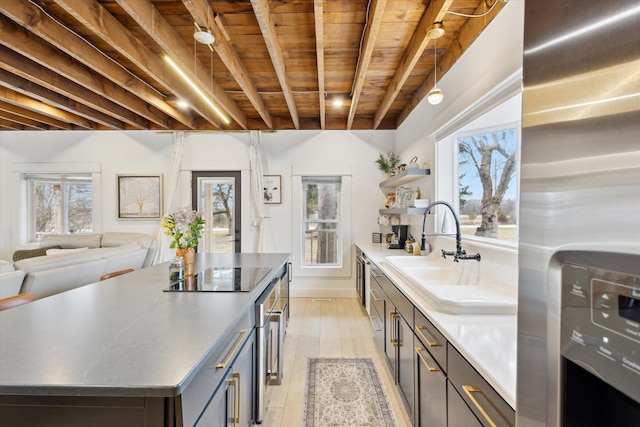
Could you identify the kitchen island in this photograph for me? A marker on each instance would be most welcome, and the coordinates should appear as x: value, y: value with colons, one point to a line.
x: 123, y: 351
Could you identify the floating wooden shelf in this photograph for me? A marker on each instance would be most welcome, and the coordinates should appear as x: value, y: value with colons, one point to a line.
x: 405, y: 177
x: 407, y: 211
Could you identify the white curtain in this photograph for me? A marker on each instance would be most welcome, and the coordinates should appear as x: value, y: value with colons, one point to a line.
x: 257, y: 189
x: 163, y: 252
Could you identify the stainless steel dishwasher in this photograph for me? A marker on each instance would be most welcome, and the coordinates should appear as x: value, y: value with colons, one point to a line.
x: 270, y: 339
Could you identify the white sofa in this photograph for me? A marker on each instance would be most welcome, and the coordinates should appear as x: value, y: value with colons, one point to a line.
x: 69, y: 268
x: 10, y: 279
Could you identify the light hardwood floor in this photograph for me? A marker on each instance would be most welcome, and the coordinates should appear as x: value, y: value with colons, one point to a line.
x: 335, y: 327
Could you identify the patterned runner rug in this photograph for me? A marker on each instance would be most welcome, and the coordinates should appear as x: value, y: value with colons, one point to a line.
x: 346, y: 392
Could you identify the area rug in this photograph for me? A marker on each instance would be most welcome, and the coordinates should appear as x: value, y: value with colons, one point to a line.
x: 346, y: 392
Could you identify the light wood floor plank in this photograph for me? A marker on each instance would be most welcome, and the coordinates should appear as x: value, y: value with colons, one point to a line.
x: 335, y: 328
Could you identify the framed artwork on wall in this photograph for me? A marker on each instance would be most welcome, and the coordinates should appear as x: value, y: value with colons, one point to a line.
x: 139, y: 196
x: 272, y: 189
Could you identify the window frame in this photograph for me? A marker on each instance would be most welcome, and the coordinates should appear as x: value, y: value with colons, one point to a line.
x: 18, y: 191
x: 344, y: 271
x: 65, y: 180
x: 447, y: 180
x: 516, y: 181
x: 305, y: 221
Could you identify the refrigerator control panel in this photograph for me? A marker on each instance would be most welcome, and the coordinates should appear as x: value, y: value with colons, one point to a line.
x: 600, y: 324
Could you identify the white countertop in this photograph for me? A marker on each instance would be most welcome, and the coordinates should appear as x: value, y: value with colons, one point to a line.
x: 488, y: 342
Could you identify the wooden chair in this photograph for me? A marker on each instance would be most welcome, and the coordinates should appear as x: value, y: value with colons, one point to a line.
x: 16, y: 300
x: 115, y: 273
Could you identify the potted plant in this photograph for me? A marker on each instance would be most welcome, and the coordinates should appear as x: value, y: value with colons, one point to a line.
x: 388, y: 164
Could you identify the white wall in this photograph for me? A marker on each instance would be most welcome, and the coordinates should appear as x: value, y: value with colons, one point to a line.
x: 149, y: 152
x: 491, y: 59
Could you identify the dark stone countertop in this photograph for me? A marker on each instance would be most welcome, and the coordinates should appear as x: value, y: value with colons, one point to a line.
x: 123, y: 336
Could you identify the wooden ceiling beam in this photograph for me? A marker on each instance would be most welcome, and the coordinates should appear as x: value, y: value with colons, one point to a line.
x: 99, y: 21
x: 466, y: 36
x: 58, y: 72
x: 201, y: 12
x: 370, y: 36
x: 107, y: 112
x: 151, y: 21
x: 8, y: 124
x: 19, y: 98
x: 31, y: 17
x: 318, y: 12
x: 23, y: 120
x: 435, y: 13
x: 33, y: 115
x: 261, y: 10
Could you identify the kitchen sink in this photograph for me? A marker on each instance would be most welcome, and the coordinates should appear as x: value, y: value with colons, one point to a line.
x: 451, y: 287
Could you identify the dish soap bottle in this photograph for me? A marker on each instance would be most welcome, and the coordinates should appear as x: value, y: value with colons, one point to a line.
x: 408, y: 244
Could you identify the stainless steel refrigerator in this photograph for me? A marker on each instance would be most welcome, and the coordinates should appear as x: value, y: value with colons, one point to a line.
x: 579, y: 248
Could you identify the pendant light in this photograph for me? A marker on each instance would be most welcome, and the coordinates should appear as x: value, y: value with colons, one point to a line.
x: 435, y: 95
x: 203, y: 36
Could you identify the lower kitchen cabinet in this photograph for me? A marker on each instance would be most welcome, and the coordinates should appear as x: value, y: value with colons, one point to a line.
x: 430, y: 409
x: 439, y: 387
x: 405, y: 361
x: 398, y: 324
x: 458, y: 413
x: 232, y: 404
x: 481, y: 399
x: 377, y: 313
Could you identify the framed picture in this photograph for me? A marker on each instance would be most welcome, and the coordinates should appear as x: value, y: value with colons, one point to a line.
x: 139, y: 196
x: 272, y: 189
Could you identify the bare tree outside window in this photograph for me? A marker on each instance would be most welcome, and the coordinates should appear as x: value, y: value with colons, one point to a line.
x: 321, y: 220
x: 487, y: 172
x: 60, y: 204
x: 222, y: 205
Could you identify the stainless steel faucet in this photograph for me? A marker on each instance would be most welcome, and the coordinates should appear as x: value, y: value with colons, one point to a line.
x: 459, y: 252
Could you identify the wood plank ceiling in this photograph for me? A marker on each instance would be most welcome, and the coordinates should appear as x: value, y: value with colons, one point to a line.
x: 275, y: 64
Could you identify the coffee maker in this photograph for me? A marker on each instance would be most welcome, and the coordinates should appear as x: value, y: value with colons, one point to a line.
x: 400, y: 233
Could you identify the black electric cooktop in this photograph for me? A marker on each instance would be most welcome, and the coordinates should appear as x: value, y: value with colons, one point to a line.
x: 221, y: 279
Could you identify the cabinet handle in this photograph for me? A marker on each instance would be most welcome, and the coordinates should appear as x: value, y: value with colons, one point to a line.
x: 374, y: 323
x: 419, y: 350
x: 373, y: 295
x: 234, y: 384
x: 394, y: 335
x: 236, y: 406
x: 468, y: 389
x: 233, y: 351
x: 431, y: 342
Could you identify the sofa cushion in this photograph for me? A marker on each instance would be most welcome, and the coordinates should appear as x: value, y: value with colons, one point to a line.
x: 47, y: 262
x: 6, y: 266
x: 126, y: 260
x: 71, y: 241
x: 55, y: 280
x: 10, y: 283
x: 55, y: 251
x: 112, y: 239
x: 31, y: 253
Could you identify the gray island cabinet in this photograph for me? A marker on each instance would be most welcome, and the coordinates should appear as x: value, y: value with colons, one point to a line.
x: 124, y: 352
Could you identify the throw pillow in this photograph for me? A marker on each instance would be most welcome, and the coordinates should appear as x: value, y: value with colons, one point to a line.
x: 31, y: 253
x: 58, y: 251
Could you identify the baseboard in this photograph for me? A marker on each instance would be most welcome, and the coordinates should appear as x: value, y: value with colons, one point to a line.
x: 323, y: 293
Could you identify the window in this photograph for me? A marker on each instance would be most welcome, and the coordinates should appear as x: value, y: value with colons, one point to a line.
x: 478, y: 169
x: 487, y: 181
x: 59, y: 203
x: 321, y: 221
